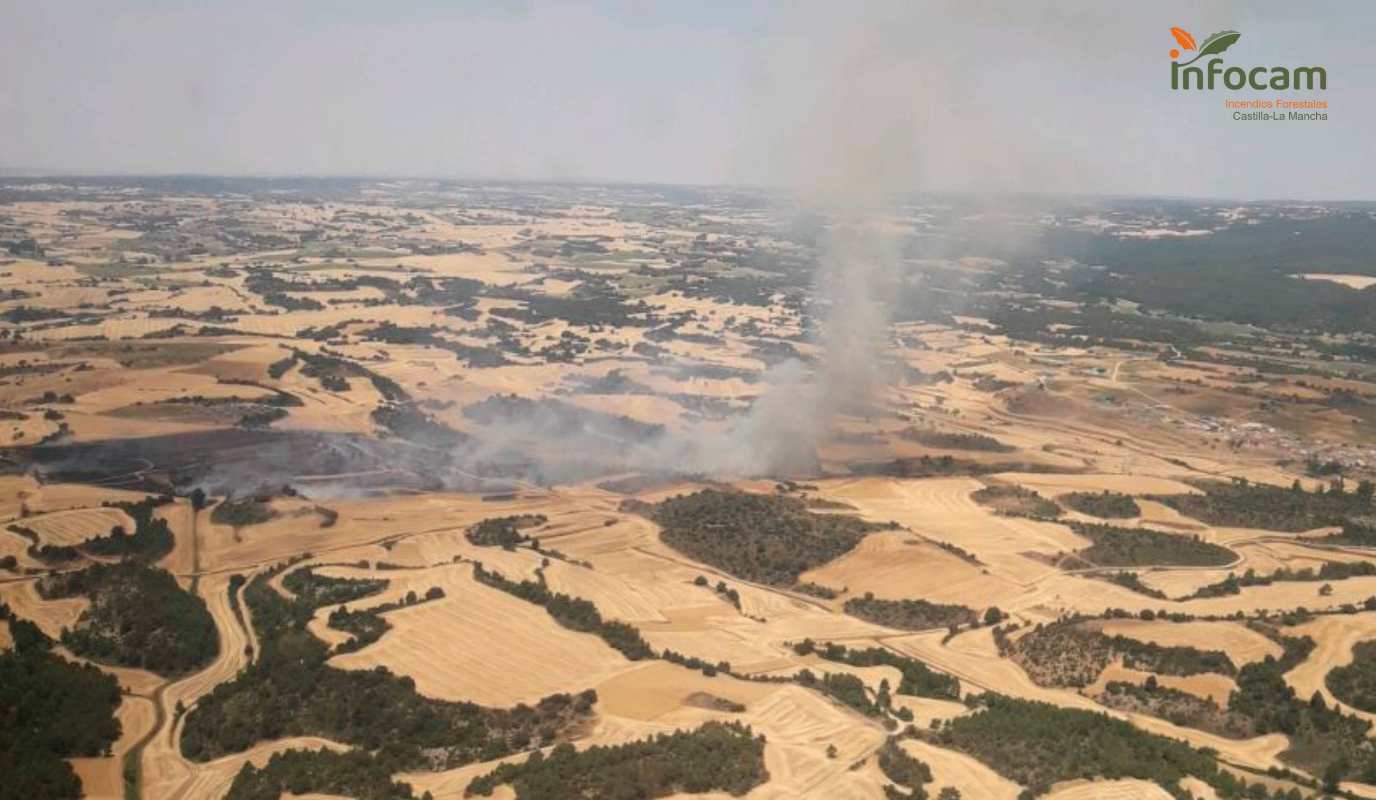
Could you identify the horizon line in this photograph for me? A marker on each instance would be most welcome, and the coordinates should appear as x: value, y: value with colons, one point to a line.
x: 33, y: 174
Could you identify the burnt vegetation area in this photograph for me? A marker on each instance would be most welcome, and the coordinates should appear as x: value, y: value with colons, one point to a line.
x: 408, y: 422
x: 290, y: 691
x: 138, y: 617
x: 764, y: 538
x: 555, y: 419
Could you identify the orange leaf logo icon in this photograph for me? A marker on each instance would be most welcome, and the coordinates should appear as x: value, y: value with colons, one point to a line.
x: 1183, y: 36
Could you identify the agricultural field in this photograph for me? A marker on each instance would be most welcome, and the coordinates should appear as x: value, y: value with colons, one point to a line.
x: 500, y: 485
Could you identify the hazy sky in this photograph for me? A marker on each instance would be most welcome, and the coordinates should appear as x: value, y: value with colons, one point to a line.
x: 926, y: 96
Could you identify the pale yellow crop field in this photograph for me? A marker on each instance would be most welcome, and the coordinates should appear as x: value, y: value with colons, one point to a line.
x: 359, y: 353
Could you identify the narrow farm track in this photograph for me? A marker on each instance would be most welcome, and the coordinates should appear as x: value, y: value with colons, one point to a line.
x: 167, y: 775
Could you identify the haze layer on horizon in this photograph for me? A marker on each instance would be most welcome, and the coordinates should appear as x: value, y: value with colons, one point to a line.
x: 1060, y: 97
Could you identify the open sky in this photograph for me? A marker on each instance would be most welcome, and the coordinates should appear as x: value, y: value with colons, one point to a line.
x: 1015, y: 96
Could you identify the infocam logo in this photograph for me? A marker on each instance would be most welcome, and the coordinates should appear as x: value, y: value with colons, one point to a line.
x: 1184, y: 76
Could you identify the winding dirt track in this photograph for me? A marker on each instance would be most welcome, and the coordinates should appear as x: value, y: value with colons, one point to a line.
x: 102, y: 778
x: 638, y: 578
x: 166, y: 773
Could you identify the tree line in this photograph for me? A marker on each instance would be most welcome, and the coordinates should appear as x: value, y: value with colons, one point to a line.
x: 50, y: 710
x: 718, y: 756
x: 139, y: 616
x: 1240, y: 503
x: 290, y: 691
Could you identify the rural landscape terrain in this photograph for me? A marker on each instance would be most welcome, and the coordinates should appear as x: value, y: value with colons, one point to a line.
x: 387, y: 489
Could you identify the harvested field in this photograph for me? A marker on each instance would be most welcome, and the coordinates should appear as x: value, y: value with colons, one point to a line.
x: 312, y: 348
x: 1208, y: 685
x: 1334, y: 636
x: 970, y: 777
x: 630, y: 598
x: 103, y: 778
x: 213, y: 778
x: 1242, y: 644
x: 895, y: 566
x: 800, y: 725
x: 657, y: 688
x: 65, y: 496
x: 481, y: 644
x: 71, y: 528
x: 51, y: 616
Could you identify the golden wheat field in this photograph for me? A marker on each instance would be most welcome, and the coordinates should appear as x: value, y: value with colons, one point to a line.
x: 407, y: 488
